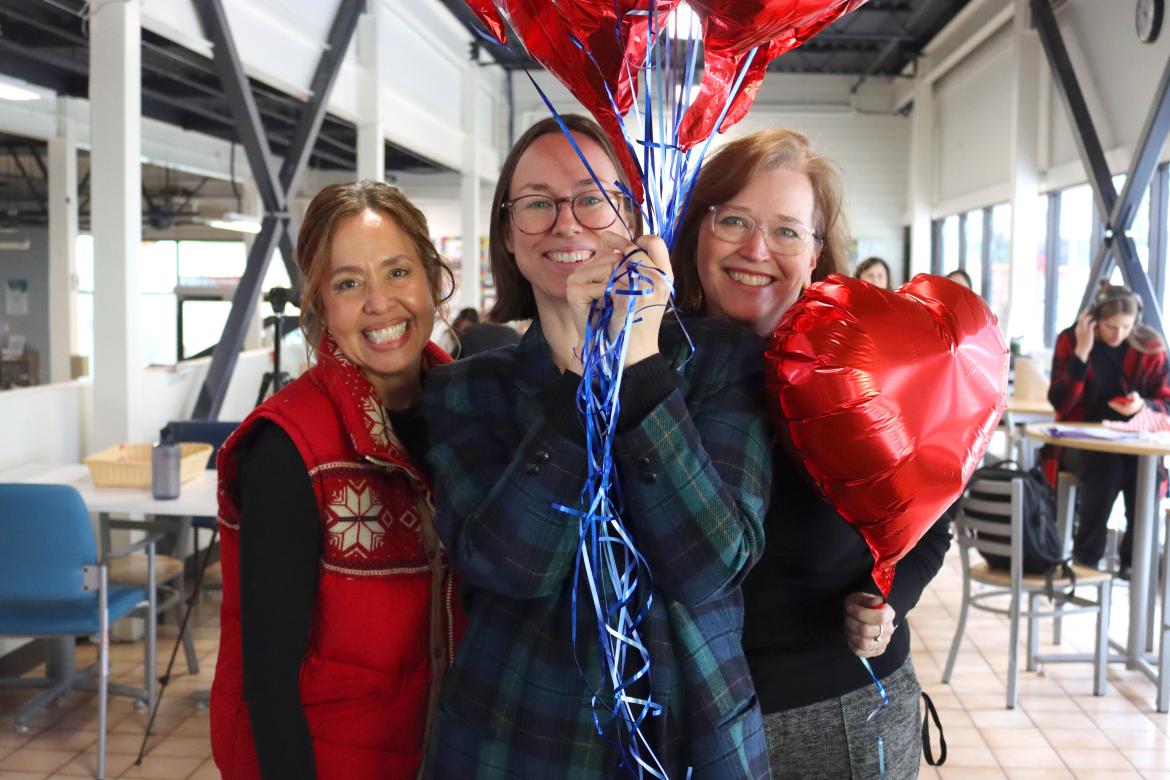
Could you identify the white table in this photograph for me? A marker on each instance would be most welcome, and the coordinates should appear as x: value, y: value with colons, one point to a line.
x: 197, y: 498
x: 1143, y: 591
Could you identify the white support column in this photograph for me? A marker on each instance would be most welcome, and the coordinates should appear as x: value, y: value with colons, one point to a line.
x: 1023, y: 318
x: 469, y: 190
x: 115, y: 93
x: 921, y: 190
x: 371, y: 133
x: 62, y: 245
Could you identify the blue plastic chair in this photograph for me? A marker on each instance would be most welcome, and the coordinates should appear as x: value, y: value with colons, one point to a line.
x: 54, y: 586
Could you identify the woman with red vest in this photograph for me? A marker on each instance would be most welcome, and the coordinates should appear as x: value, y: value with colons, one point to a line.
x: 339, y: 614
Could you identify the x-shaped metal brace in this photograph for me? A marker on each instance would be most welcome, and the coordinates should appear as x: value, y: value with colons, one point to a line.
x: 276, y: 189
x: 1117, y: 212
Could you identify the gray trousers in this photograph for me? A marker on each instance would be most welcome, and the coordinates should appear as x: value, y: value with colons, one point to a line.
x: 830, y: 740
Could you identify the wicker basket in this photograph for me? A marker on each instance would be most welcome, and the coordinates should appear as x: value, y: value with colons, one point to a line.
x: 128, y: 465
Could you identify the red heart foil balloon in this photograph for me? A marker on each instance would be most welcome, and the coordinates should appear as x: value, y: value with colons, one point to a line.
x: 602, y: 71
x: 731, y: 29
x: 889, y: 399
x: 490, y: 17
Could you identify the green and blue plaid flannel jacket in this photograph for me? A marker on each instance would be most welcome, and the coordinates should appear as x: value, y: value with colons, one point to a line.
x: 694, y: 473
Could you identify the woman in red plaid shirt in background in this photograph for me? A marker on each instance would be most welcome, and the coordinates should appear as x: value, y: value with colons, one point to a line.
x: 1108, y: 366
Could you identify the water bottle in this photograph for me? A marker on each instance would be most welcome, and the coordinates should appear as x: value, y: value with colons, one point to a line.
x: 164, y: 466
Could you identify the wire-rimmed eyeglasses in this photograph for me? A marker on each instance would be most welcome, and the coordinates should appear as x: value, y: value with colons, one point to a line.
x: 785, y: 237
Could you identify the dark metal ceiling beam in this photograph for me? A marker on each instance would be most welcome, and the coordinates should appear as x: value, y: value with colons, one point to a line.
x: 28, y: 181
x: 242, y: 104
x: 1149, y: 145
x: 1084, y: 132
x: 275, y: 190
x: 340, y: 34
x: 1116, y: 214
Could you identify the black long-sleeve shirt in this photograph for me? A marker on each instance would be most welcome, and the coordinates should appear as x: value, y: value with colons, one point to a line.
x: 280, y: 553
x: 794, y: 630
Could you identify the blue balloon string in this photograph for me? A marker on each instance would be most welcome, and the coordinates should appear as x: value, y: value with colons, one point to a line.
x: 609, y: 571
x: 881, y: 747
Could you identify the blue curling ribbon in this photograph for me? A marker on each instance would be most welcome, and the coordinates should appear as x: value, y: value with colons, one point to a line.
x: 608, y: 566
x: 881, y: 747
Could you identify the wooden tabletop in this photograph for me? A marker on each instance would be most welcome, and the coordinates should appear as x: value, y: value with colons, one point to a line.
x: 1029, y: 406
x: 1126, y: 443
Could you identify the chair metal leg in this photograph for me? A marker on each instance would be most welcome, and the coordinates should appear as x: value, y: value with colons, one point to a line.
x: 1013, y: 650
x: 959, y: 630
x: 1101, y: 651
x: 150, y: 659
x: 1163, y: 701
x: 103, y: 670
x: 1066, y: 503
x: 1152, y: 608
x: 1033, y: 634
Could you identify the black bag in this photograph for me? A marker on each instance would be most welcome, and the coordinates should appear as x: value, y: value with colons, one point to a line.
x: 1041, y: 542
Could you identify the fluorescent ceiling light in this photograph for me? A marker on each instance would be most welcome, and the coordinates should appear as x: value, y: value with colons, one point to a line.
x: 13, y: 92
x: 240, y: 223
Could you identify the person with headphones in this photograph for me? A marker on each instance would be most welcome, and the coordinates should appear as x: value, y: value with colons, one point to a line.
x: 1108, y: 366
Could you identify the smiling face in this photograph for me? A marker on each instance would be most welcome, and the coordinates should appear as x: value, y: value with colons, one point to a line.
x: 378, y: 304
x: 748, y: 282
x: 1115, y: 329
x: 551, y: 167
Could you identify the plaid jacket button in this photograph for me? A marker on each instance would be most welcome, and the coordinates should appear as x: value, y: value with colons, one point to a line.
x: 533, y: 468
x: 643, y: 462
x: 649, y: 477
x: 541, y: 456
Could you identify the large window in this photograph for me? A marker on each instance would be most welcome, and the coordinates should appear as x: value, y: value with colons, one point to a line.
x: 998, y: 259
x: 162, y: 267
x: 978, y: 242
x: 1076, y: 229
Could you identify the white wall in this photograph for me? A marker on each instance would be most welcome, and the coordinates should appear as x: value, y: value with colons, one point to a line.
x: 860, y: 131
x: 972, y: 132
x: 52, y: 423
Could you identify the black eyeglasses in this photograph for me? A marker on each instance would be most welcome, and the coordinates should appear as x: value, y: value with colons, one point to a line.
x: 786, y: 237
x: 536, y: 214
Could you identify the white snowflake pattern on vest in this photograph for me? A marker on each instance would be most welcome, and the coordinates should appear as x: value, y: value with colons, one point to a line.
x: 358, y: 526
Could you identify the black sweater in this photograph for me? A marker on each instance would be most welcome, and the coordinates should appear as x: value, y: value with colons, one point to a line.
x: 280, y: 553
x: 794, y: 628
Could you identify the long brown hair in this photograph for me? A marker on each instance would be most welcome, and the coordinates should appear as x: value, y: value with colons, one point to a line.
x: 315, y: 240
x: 514, y: 298
x: 1114, y: 299
x: 728, y: 171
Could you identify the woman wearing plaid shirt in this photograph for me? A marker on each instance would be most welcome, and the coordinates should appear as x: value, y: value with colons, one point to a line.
x: 506, y: 446
x: 1108, y: 366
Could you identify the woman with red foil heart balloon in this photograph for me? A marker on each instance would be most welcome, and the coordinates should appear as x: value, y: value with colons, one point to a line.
x: 764, y: 222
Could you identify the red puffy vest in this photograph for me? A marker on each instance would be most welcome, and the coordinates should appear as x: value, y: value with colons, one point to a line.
x: 386, y: 613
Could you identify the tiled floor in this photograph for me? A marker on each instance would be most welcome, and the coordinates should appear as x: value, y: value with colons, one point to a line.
x: 1059, y: 729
